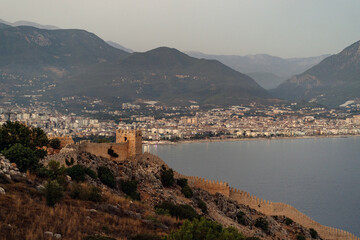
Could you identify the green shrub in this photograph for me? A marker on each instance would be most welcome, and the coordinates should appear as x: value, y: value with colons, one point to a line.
x: 161, y: 211
x: 300, y: 237
x: 178, y: 211
x: 53, y: 192
x: 167, y: 177
x: 86, y: 193
x: 262, y: 223
x: 288, y: 221
x: 12, y: 133
x: 182, y: 182
x: 106, y: 176
x: 54, y: 170
x: 55, y: 143
x: 24, y: 157
x: 145, y: 237
x: 240, y: 218
x: 77, y: 173
x: 130, y: 189
x: 91, y: 173
x: 188, y: 193
x: 43, y: 172
x: 205, y: 230
x: 202, y: 206
x: 40, y: 153
x: 313, y: 233
x: 97, y: 237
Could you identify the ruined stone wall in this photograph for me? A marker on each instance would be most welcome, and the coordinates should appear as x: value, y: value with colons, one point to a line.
x: 66, y: 153
x: 64, y: 140
x: 134, y: 140
x: 101, y: 150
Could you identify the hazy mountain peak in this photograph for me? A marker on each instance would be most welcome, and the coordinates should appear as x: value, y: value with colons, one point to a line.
x: 30, y: 24
x: 119, y: 46
x: 331, y: 82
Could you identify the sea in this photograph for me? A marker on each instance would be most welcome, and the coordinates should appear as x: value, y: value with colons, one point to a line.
x: 318, y: 176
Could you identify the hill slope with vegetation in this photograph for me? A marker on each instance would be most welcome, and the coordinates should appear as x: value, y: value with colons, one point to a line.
x: 94, y: 198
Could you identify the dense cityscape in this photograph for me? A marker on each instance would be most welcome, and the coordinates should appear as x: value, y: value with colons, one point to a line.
x: 192, y: 123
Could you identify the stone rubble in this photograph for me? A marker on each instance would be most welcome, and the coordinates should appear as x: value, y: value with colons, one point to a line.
x: 8, y: 169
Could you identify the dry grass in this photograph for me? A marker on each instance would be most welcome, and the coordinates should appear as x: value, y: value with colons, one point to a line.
x: 24, y: 215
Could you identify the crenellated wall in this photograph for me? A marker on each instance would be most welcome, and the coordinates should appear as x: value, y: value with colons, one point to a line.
x: 267, y: 207
x: 282, y: 209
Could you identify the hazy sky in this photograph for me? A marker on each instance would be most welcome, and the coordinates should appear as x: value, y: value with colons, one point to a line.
x: 286, y: 28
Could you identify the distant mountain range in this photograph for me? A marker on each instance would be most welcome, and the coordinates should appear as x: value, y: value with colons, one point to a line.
x: 332, y: 82
x: 268, y: 71
x: 58, y: 63
x: 30, y: 24
x: 169, y: 76
x: 118, y: 46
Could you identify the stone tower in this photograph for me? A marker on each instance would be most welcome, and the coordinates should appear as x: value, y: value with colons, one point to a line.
x: 133, y: 139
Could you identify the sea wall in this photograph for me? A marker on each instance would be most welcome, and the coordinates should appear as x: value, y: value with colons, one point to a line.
x: 267, y: 207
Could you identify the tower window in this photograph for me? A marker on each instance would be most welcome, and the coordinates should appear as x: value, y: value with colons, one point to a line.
x: 125, y: 138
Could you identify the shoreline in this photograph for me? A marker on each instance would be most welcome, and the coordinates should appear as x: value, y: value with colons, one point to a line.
x: 164, y: 142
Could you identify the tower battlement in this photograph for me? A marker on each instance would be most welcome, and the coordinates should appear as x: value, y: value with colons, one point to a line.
x: 133, y: 138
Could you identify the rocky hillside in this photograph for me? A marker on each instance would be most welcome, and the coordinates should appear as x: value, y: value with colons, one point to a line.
x: 160, y: 210
x: 332, y: 82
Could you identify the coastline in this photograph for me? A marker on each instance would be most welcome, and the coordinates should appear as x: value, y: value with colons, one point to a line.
x: 164, y: 142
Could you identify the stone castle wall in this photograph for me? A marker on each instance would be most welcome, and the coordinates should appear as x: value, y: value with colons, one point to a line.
x: 267, y: 207
x: 210, y: 186
x: 101, y: 150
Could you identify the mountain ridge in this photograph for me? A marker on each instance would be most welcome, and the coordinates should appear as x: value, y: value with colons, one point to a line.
x: 169, y: 76
x: 273, y: 70
x: 331, y: 82
x: 73, y: 62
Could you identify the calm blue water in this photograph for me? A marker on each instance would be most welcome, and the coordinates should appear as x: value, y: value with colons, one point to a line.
x: 320, y: 176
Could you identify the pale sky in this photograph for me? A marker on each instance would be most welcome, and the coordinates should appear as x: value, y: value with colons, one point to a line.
x: 285, y: 28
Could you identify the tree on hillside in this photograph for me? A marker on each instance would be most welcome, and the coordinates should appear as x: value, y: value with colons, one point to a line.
x: 55, y: 143
x: 22, y: 144
x: 24, y: 157
x: 16, y: 132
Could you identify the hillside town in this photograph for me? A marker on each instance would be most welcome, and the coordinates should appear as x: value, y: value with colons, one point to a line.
x: 251, y: 121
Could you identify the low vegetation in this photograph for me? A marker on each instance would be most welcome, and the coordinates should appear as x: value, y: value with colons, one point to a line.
x: 130, y: 189
x: 206, y: 230
x: 313, y: 233
x: 167, y: 177
x: 53, y: 192
x: 177, y: 211
x: 262, y: 223
x: 240, y: 218
x: 106, y: 176
x: 202, y: 206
